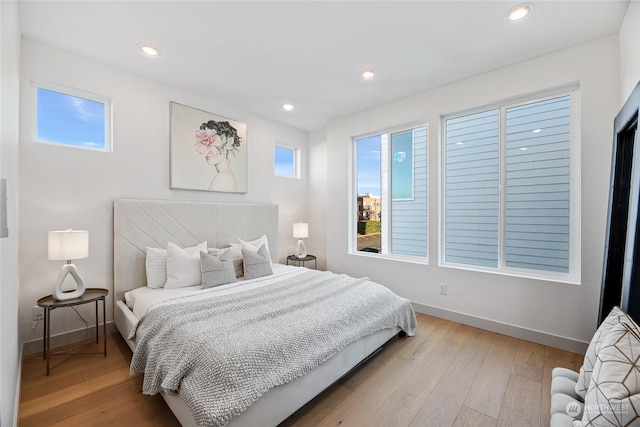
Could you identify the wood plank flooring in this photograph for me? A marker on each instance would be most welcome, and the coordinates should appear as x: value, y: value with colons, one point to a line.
x: 447, y: 375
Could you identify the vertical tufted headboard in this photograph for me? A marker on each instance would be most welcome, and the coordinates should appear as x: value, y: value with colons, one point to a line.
x: 153, y: 223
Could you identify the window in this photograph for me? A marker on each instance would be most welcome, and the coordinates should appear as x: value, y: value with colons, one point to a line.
x: 509, y: 185
x: 286, y: 162
x: 402, y: 166
x: 72, y: 118
x: 391, y: 200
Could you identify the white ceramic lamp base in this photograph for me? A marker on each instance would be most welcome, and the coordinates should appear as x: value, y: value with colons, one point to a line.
x: 301, y: 249
x: 57, y: 288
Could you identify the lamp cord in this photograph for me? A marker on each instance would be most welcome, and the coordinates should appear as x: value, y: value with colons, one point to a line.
x: 82, y: 318
x: 35, y: 323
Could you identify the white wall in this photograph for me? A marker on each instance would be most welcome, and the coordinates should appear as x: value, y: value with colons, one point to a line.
x: 629, y: 37
x: 556, y: 309
x: 9, y: 291
x: 71, y: 188
x: 317, y: 195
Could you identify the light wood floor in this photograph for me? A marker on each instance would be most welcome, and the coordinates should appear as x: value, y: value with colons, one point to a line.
x: 447, y: 375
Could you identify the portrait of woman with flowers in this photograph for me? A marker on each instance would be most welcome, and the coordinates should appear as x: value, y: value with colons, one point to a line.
x: 220, y: 141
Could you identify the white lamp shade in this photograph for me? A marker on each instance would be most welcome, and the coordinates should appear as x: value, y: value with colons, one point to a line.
x: 68, y: 244
x: 300, y: 230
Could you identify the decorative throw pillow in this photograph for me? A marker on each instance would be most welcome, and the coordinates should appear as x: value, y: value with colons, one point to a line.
x: 236, y: 253
x: 217, y: 271
x: 156, y: 267
x: 183, y: 265
x: 254, y: 245
x: 215, y: 252
x: 612, y: 319
x: 256, y: 264
x: 613, y: 398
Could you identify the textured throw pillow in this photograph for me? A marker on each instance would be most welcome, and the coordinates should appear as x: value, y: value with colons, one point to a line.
x: 217, y: 271
x: 215, y: 252
x: 612, y: 319
x: 235, y: 251
x: 183, y: 265
x: 254, y: 245
x: 613, y: 398
x: 156, y: 267
x: 256, y: 264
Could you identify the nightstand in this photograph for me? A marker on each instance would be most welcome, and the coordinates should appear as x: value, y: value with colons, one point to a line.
x: 301, y: 261
x: 49, y: 304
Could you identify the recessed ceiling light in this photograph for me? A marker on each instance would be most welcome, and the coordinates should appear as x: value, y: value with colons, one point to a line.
x: 149, y: 50
x: 536, y: 130
x: 518, y: 13
x: 368, y: 74
x: 287, y: 107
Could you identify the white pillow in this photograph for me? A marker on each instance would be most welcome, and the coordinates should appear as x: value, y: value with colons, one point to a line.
x: 183, y: 265
x: 582, y: 385
x: 254, y: 245
x: 156, y: 267
x: 613, y: 398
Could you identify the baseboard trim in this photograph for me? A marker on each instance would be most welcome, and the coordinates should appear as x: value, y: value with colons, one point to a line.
x: 66, y: 338
x: 526, y: 334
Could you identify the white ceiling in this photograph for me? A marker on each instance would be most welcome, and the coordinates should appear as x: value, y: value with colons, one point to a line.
x: 258, y: 55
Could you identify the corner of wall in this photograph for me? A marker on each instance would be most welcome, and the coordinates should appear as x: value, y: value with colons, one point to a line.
x: 9, y: 135
x: 317, y: 194
x: 629, y: 40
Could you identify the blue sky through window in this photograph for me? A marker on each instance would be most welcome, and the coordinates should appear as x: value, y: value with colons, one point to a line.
x: 70, y: 120
x: 368, y: 167
x: 284, y: 159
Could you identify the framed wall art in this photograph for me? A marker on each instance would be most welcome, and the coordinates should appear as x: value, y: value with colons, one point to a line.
x: 208, y: 152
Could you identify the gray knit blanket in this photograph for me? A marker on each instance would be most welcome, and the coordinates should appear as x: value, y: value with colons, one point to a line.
x: 222, y: 353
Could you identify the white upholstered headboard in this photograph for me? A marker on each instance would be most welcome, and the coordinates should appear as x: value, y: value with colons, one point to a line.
x: 153, y: 223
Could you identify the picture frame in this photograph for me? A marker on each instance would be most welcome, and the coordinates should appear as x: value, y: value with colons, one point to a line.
x: 208, y: 152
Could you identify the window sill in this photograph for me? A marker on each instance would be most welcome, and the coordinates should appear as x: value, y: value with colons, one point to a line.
x: 524, y: 274
x: 393, y: 257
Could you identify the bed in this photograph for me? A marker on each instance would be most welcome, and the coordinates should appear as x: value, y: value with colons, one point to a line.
x: 142, y: 224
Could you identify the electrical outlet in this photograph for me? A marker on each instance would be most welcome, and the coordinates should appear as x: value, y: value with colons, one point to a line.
x: 443, y: 288
x: 38, y: 313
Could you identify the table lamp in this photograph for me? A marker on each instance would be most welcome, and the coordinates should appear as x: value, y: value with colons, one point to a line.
x: 68, y: 245
x: 301, y: 231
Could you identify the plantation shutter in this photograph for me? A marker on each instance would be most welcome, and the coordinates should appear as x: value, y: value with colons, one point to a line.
x: 471, y: 198
x: 537, y: 185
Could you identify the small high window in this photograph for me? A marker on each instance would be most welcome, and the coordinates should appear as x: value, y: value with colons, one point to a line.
x: 72, y: 118
x: 286, y: 162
